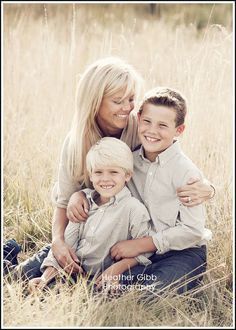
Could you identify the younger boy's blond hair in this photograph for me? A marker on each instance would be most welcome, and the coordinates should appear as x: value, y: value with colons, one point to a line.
x: 108, y: 152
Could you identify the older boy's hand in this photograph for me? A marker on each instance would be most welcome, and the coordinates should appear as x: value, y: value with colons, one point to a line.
x: 78, y: 206
x: 195, y: 192
x: 125, y: 249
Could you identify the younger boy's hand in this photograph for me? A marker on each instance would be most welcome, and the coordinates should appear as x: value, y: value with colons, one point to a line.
x: 36, y: 284
x: 78, y: 206
x: 125, y: 249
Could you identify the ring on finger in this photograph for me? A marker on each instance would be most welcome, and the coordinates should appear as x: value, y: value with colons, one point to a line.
x: 189, y: 199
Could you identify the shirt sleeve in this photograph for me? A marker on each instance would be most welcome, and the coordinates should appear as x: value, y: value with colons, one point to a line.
x: 189, y: 229
x: 65, y: 185
x: 72, y: 237
x: 140, y: 226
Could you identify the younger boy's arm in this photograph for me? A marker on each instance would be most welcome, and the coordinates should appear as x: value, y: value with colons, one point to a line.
x: 41, y: 282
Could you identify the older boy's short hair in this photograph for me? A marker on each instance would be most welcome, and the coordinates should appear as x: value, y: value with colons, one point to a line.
x: 110, y: 151
x: 168, y: 97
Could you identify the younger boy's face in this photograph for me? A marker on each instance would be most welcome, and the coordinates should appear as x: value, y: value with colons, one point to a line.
x: 157, y: 129
x: 109, y: 181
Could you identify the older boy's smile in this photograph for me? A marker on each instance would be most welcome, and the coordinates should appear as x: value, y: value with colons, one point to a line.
x: 157, y: 129
x: 151, y: 139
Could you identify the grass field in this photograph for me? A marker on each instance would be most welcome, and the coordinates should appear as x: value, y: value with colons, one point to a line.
x: 46, y: 48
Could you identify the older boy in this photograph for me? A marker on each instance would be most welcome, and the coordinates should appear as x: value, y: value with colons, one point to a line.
x: 160, y: 167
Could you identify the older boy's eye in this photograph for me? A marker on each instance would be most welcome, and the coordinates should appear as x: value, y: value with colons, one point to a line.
x: 117, y: 102
x: 98, y: 172
x: 114, y: 172
x: 146, y: 121
x: 163, y: 125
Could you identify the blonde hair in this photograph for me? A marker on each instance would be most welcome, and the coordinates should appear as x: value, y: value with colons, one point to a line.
x: 105, y: 77
x: 109, y: 152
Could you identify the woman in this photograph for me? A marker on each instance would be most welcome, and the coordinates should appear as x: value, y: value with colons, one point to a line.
x: 105, y: 99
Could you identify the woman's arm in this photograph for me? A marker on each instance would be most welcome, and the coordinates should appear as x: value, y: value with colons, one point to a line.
x: 195, y: 192
x: 78, y: 207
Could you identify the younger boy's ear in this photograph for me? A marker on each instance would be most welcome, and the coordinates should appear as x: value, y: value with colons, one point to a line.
x: 180, y: 129
x: 127, y: 177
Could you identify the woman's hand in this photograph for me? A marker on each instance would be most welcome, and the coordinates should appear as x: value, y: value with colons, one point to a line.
x: 78, y: 206
x: 195, y: 192
x: 66, y: 257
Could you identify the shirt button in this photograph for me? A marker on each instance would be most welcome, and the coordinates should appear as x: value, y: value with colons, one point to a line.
x: 150, y: 173
x: 101, y: 210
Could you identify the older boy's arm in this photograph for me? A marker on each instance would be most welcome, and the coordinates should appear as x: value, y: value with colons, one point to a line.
x: 111, y: 274
x: 133, y: 248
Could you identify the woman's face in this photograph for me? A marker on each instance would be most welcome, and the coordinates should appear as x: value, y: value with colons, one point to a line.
x: 114, y: 113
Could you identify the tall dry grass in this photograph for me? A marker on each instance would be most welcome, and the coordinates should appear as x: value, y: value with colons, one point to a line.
x: 46, y: 47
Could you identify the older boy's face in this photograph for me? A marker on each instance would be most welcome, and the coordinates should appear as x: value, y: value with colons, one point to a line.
x: 108, y: 181
x: 157, y: 129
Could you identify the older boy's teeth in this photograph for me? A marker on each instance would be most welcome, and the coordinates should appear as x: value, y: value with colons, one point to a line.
x: 151, y: 139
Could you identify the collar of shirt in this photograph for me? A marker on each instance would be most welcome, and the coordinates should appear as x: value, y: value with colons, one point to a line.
x: 91, y: 196
x: 165, y: 155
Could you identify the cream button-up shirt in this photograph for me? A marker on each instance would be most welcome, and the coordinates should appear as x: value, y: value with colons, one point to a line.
x: 177, y: 226
x: 124, y: 217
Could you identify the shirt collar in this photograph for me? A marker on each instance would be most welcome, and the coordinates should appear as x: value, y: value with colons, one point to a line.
x: 114, y: 200
x: 164, y: 156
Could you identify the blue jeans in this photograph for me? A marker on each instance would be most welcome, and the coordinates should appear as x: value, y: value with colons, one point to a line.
x: 170, y: 269
x: 174, y: 269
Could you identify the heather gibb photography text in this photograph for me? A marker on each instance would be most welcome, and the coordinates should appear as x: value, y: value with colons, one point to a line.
x: 118, y: 164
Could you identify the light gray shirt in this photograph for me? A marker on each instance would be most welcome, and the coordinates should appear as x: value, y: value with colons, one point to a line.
x: 177, y: 226
x: 65, y: 185
x: 124, y: 217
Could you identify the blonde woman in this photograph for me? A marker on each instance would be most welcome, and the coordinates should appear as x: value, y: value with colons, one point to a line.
x: 105, y: 101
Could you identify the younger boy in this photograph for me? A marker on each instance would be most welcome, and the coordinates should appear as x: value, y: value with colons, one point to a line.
x: 160, y: 167
x: 114, y: 215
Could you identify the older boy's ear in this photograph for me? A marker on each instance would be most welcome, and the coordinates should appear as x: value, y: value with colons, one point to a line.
x: 180, y: 129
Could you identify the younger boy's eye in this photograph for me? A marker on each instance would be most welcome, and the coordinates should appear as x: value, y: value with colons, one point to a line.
x: 114, y: 172
x: 97, y: 172
x: 146, y: 120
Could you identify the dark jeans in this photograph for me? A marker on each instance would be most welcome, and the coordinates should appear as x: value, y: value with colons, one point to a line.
x: 181, y: 270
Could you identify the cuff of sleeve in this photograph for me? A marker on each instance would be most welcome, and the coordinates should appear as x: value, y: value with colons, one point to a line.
x: 142, y: 260
x: 49, y: 262
x: 161, y: 243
